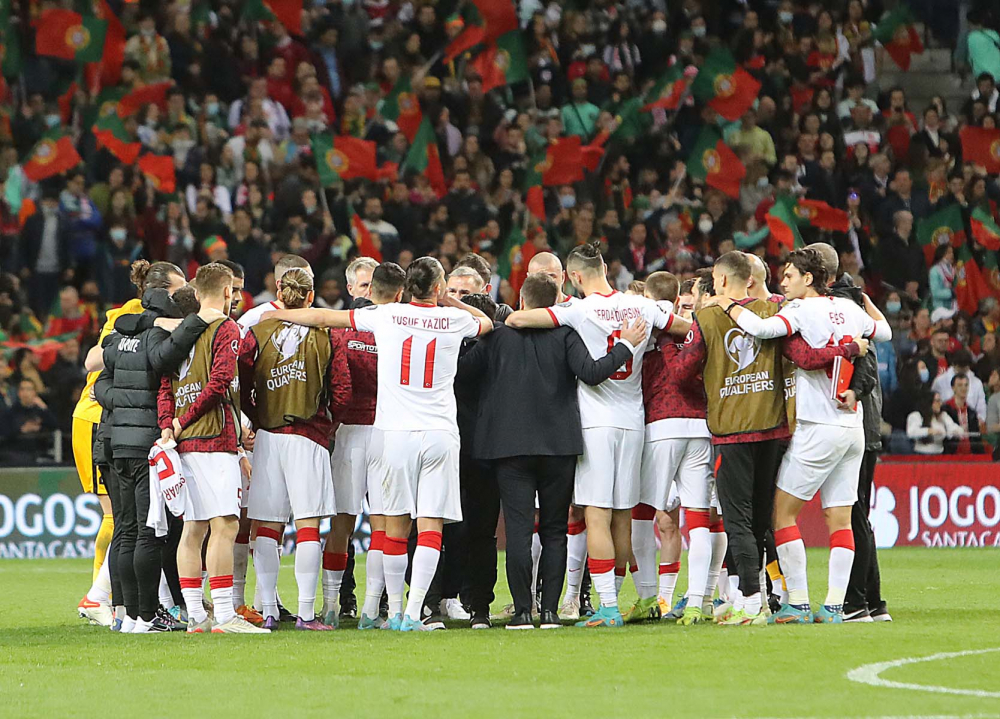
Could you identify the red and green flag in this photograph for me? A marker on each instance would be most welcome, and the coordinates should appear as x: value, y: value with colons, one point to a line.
x: 107, y: 72
x: 715, y: 164
x: 46, y: 349
x: 69, y: 35
x: 343, y: 158
x: 53, y: 155
x: 821, y: 215
x: 159, y: 170
x: 898, y: 36
x: 504, y: 62
x: 155, y: 94
x: 287, y: 12
x: 105, y: 104
x: 943, y: 227
x: 562, y: 163
x: 486, y: 20
x: 631, y: 122
x: 363, y: 236
x: 668, y: 90
x: 111, y: 134
x: 970, y: 285
x: 981, y: 146
x: 725, y: 86
x: 985, y: 229
x: 514, y: 256
x: 402, y: 106
x: 783, y: 221
x: 423, y: 158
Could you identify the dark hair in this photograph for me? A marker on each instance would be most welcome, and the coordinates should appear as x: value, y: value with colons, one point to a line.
x: 186, y: 300
x: 662, y: 286
x: 958, y: 376
x: 539, y: 291
x: 387, y: 279
x: 941, y: 251
x: 735, y: 264
x: 687, y: 287
x: 925, y: 404
x: 421, y: 276
x: 477, y: 263
x: 706, y: 284
x: 147, y: 276
x: 585, y: 257
x: 235, y: 267
x: 810, y: 260
x: 484, y: 303
x: 961, y: 358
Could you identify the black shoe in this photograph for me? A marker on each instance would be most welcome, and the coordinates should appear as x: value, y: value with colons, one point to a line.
x: 166, y: 619
x: 521, y: 620
x: 859, y: 615
x: 881, y: 614
x: 773, y: 604
x: 480, y: 620
x: 284, y: 615
x: 159, y: 624
x: 550, y: 620
x: 586, y: 605
x: 383, y: 606
x: 348, y: 607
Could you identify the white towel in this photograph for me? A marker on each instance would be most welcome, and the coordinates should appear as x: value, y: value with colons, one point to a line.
x: 167, y: 487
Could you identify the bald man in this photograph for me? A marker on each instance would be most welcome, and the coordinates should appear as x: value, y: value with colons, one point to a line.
x: 760, y: 275
x: 546, y: 263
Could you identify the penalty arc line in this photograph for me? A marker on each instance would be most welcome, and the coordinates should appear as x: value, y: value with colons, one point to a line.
x: 869, y: 674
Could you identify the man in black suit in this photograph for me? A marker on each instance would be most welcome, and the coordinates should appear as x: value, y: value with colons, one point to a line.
x: 529, y: 426
x: 45, y: 253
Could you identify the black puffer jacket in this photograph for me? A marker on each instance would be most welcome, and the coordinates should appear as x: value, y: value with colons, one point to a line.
x: 865, y: 382
x: 136, y: 355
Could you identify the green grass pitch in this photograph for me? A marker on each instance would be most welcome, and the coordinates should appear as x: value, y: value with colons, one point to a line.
x: 55, y: 665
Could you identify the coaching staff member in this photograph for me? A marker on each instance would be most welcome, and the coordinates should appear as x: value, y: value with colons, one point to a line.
x: 529, y: 426
x: 136, y: 355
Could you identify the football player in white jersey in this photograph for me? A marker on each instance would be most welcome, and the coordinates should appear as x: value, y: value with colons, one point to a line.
x: 826, y: 449
x: 248, y: 529
x: 607, y: 474
x: 415, y: 444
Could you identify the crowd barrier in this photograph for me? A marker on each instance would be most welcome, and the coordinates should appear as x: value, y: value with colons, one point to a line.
x: 916, y: 502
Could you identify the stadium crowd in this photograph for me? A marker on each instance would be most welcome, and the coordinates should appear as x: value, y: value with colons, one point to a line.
x: 245, y: 96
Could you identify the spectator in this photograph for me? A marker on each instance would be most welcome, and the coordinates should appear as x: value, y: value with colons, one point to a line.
x: 993, y: 413
x: 942, y: 278
x: 961, y: 363
x: 388, y: 235
x: 901, y: 259
x: 579, y: 116
x: 930, y: 425
x: 983, y: 45
x: 26, y: 427
x: 959, y: 410
x: 71, y: 316
x: 757, y: 142
x: 45, y: 253
x: 64, y: 379
x: 149, y: 51
x: 84, y: 224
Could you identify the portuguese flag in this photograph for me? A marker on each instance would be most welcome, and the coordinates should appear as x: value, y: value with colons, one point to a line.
x: 985, y: 229
x: 819, y: 214
x: 402, y: 107
x: 159, y: 170
x: 54, y: 154
x: 898, y: 36
x: 667, y: 91
x: 69, y: 35
x: 514, y: 256
x: 47, y: 349
x: 631, y: 120
x: 108, y: 71
x: 715, y: 164
x: 504, y: 62
x: 363, y: 236
x: 942, y: 227
x: 783, y: 221
x: 562, y: 163
x: 105, y: 104
x: 497, y: 17
x: 982, y: 147
x: 725, y: 86
x: 343, y: 158
x: 287, y: 12
x: 970, y: 285
x: 155, y: 94
x: 111, y: 134
x: 423, y: 158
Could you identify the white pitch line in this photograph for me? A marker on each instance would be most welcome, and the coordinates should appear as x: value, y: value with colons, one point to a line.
x: 869, y: 674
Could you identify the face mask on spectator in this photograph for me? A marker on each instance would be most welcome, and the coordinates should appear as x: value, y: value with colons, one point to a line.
x: 785, y: 17
x: 893, y: 307
x: 53, y: 120
x: 659, y: 26
x: 925, y: 374
x: 588, y: 49
x: 118, y: 234
x: 212, y: 108
x: 376, y: 45
x: 148, y: 33
x: 704, y: 226
x: 699, y: 31
x: 762, y: 182
x: 567, y: 201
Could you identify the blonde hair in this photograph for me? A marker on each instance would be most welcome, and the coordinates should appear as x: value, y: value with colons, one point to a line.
x: 296, y: 284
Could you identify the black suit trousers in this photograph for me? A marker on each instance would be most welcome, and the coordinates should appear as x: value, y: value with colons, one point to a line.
x: 520, y: 478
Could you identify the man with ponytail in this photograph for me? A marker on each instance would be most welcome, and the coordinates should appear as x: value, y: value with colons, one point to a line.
x: 415, y: 443
x: 91, y: 467
x: 298, y: 382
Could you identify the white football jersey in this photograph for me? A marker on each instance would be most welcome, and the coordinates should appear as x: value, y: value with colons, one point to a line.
x: 252, y: 316
x: 418, y: 349
x: 616, y: 402
x: 824, y: 322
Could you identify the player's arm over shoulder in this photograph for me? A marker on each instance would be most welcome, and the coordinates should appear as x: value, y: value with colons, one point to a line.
x: 312, y: 317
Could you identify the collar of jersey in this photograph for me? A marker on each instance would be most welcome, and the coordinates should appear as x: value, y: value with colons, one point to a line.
x: 421, y: 304
x: 602, y: 294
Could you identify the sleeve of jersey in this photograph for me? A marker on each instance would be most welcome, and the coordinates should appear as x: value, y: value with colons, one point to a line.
x: 779, y: 325
x: 564, y: 314
x: 165, y: 403
x: 340, y: 376
x: 882, y: 332
x: 224, y: 349
x: 685, y: 365
x: 364, y: 319
x: 660, y: 317
x: 809, y: 358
